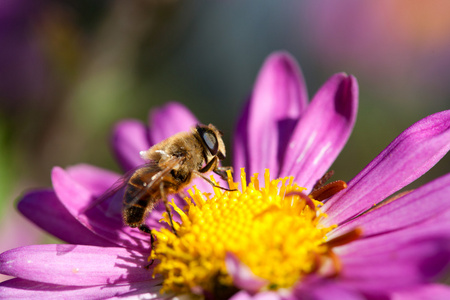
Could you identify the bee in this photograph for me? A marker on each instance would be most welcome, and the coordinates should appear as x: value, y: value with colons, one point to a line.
x: 172, y: 164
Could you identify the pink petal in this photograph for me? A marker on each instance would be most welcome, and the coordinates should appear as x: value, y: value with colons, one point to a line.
x: 76, y: 196
x: 23, y: 289
x: 409, y: 156
x: 104, y: 216
x: 244, y: 295
x: 429, y: 291
x: 418, y: 261
x: 419, y: 205
x: 397, y: 259
x: 324, y: 289
x: 278, y: 99
x: 76, y: 265
x: 94, y: 179
x: 104, y: 219
x: 240, y: 155
x: 322, y: 131
x: 168, y: 120
x: 243, y: 277
x: 128, y: 139
x: 390, y: 242
x: 44, y: 209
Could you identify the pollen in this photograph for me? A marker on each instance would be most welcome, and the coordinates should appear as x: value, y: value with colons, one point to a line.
x: 269, y: 227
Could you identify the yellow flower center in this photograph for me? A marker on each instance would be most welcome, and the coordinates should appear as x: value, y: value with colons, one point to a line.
x: 277, y: 236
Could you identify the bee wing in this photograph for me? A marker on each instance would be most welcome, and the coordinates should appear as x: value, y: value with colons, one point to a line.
x: 119, y: 184
x: 156, y: 179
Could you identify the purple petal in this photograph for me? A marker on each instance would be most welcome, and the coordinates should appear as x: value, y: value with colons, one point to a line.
x: 128, y: 139
x: 103, y: 216
x: 76, y: 197
x: 419, y: 261
x: 421, y: 204
x: 23, y: 289
x: 243, y: 277
x: 44, y: 209
x: 323, y: 289
x: 278, y: 99
x: 409, y: 156
x: 104, y: 219
x: 94, y: 179
x: 76, y: 265
x: 322, y: 131
x: 243, y: 295
x: 429, y: 291
x: 435, y: 228
x: 241, y: 157
x: 168, y: 120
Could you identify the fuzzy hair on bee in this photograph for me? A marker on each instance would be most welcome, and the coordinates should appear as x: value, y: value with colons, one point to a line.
x: 171, y: 166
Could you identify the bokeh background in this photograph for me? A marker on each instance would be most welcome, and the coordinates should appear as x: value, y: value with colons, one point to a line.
x: 70, y: 69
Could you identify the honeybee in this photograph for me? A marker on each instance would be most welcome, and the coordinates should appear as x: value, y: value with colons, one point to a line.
x: 172, y: 164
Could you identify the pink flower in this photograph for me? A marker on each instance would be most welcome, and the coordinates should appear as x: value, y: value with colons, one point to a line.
x: 404, y: 246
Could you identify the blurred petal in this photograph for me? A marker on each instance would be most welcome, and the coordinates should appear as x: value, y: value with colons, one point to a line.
x: 43, y: 208
x: 243, y: 277
x: 429, y: 291
x: 168, y: 120
x: 76, y: 265
x: 406, y: 211
x: 243, y: 295
x: 324, y: 289
x: 409, y: 156
x: 241, y: 157
x: 23, y: 289
x: 128, y: 139
x: 277, y: 101
x: 322, y: 131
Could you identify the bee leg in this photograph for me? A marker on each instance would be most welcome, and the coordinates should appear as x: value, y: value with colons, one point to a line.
x: 146, y: 229
x: 183, y: 194
x: 166, y: 204
x: 212, y: 183
x: 222, y: 172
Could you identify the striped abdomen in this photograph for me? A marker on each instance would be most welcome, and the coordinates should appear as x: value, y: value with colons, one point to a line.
x: 138, y: 200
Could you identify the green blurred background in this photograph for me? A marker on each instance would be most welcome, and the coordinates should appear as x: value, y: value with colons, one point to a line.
x: 70, y: 69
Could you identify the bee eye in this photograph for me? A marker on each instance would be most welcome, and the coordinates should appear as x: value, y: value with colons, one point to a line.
x: 211, y: 142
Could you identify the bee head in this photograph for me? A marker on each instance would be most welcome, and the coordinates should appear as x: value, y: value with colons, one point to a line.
x: 211, y: 139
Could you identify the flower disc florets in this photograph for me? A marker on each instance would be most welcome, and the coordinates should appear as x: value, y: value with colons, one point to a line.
x: 276, y: 235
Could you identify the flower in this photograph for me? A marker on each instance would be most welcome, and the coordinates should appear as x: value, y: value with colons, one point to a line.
x: 394, y: 249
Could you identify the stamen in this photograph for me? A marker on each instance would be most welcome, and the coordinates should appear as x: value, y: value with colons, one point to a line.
x: 341, y: 240
x: 386, y: 201
x: 345, y: 238
x: 328, y: 190
x: 305, y: 198
x: 274, y: 230
x: 336, y: 263
x: 321, y: 182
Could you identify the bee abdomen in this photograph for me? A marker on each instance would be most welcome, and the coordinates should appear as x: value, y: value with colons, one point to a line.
x: 136, y: 196
x: 137, y: 202
x: 134, y: 216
